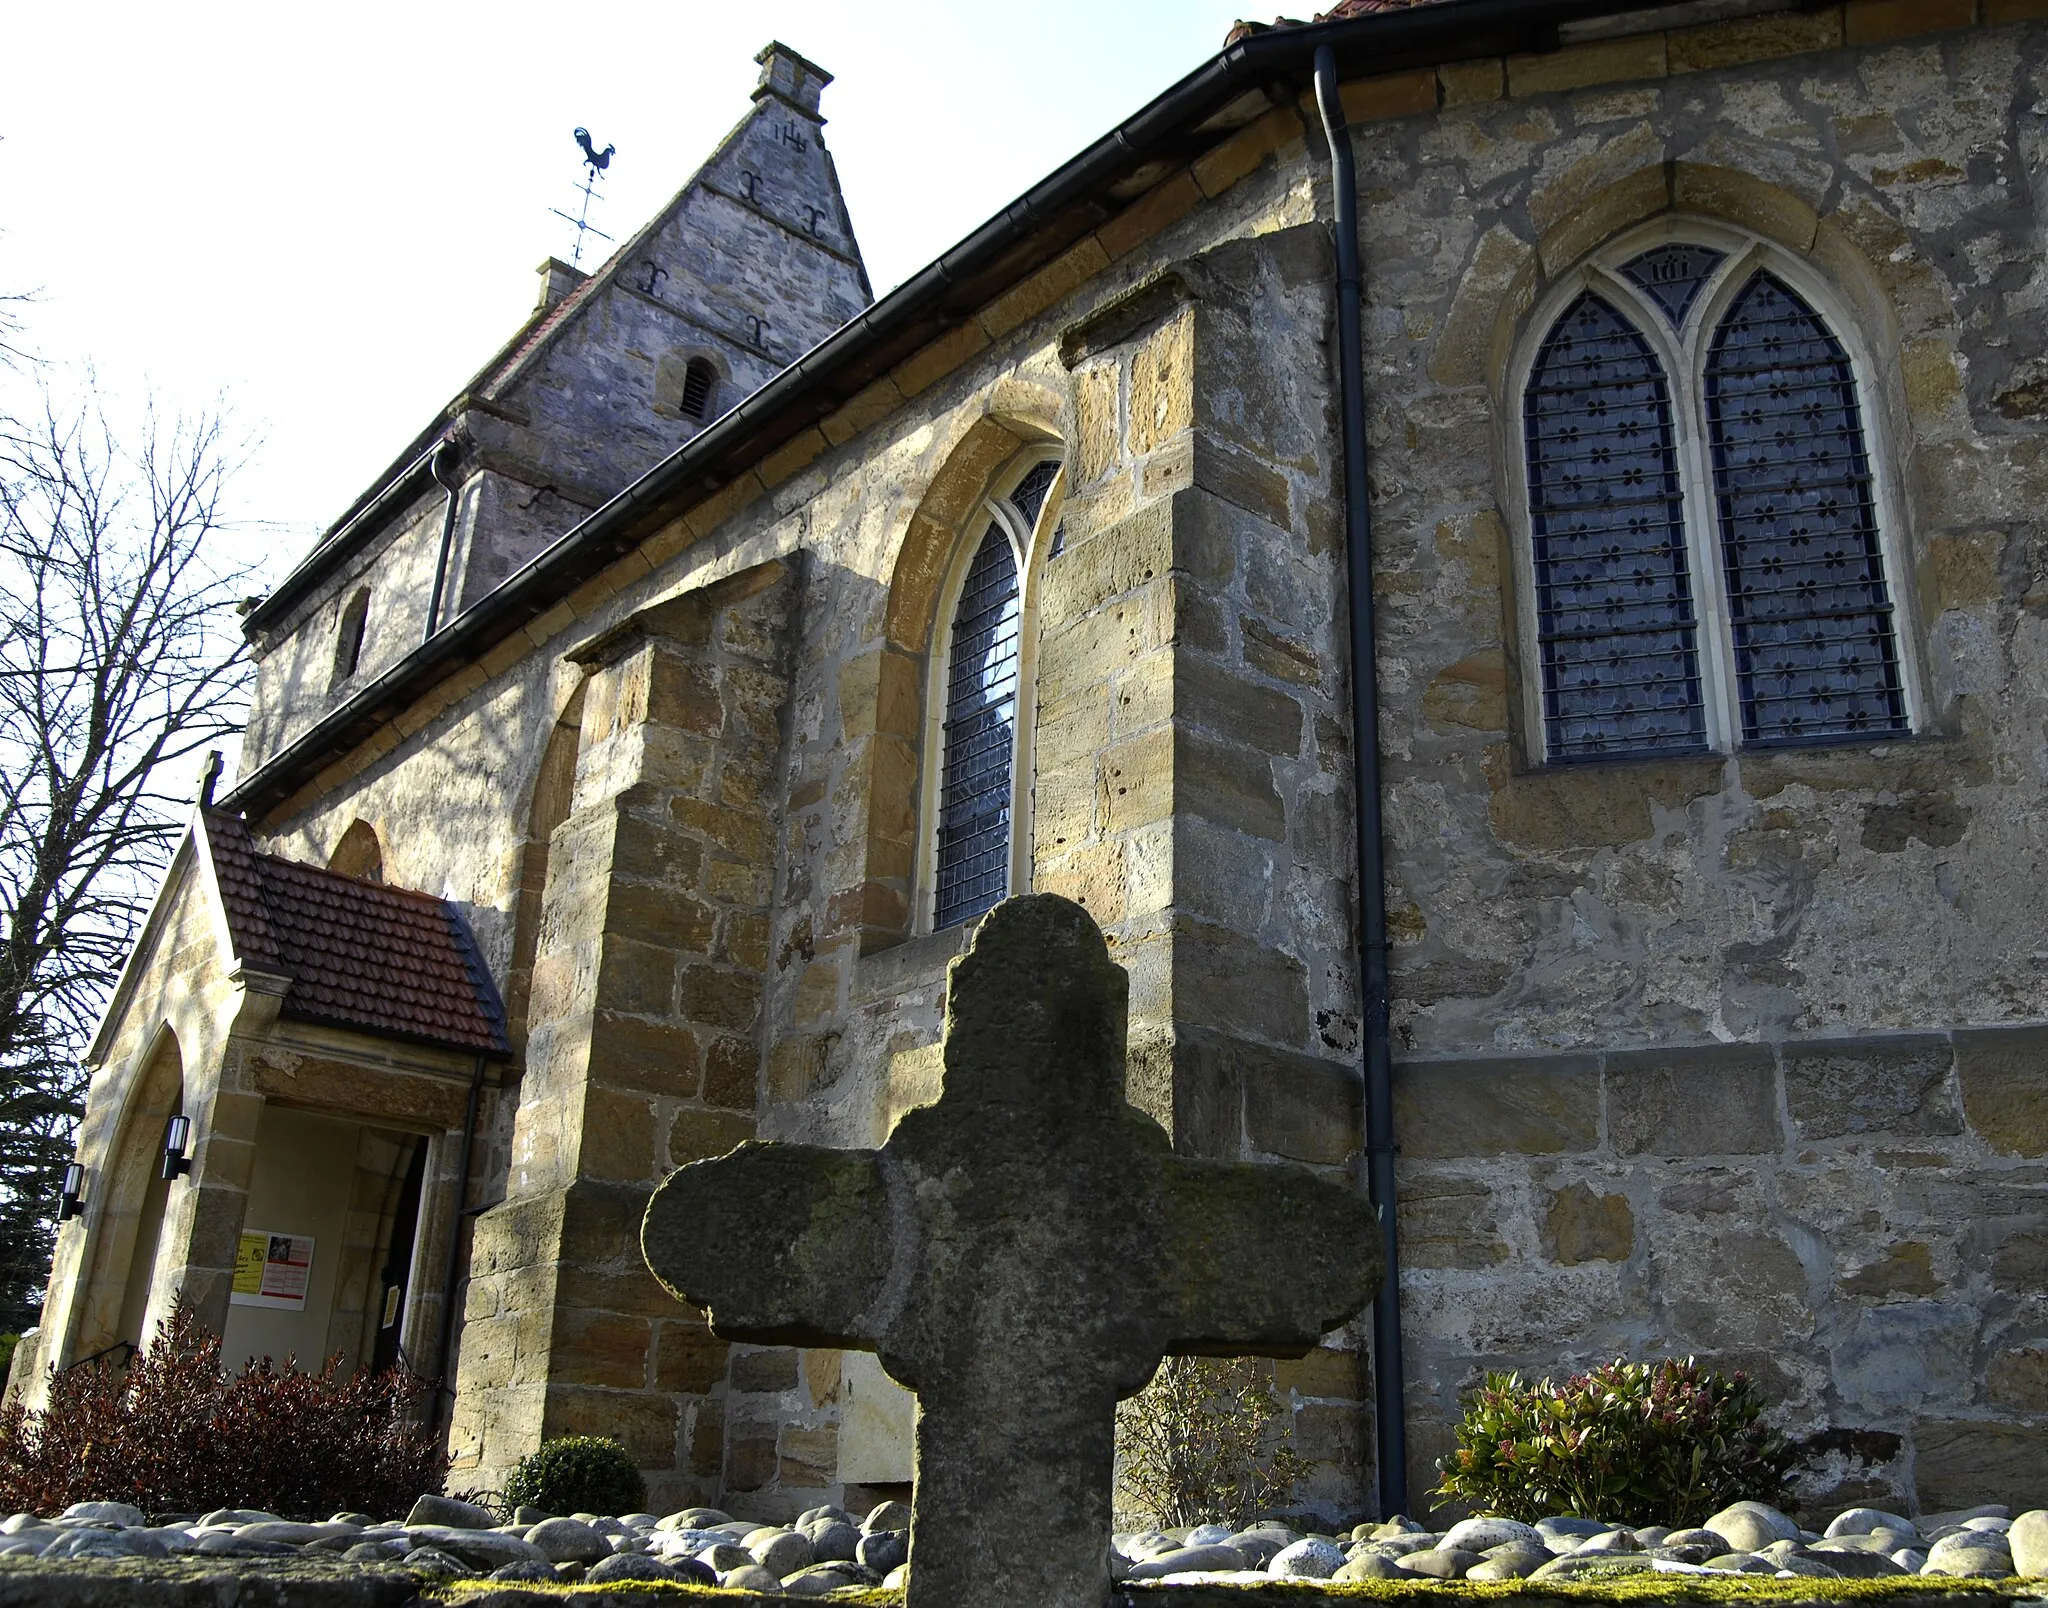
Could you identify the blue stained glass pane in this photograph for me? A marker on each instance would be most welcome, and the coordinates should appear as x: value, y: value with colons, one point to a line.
x: 1815, y: 658
x: 1672, y: 276
x: 1029, y: 496
x: 979, y: 738
x: 1615, y: 623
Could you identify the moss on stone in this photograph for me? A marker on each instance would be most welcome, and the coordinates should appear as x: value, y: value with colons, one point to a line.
x: 1624, y: 1591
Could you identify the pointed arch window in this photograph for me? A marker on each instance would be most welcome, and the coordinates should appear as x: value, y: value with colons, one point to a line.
x: 1613, y: 587
x: 1707, y: 539
x: 980, y: 804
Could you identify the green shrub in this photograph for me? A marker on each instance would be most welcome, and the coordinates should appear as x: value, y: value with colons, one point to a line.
x: 1631, y: 1442
x: 577, y: 1474
x: 174, y: 1432
x: 1206, y: 1443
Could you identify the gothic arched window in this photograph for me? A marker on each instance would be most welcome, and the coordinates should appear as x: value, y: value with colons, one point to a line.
x: 1706, y: 532
x: 977, y: 847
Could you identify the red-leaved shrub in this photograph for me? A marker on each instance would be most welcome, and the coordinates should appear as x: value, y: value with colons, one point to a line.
x: 174, y: 1432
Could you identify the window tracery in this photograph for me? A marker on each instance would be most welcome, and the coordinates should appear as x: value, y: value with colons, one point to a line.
x: 981, y: 798
x: 1706, y: 535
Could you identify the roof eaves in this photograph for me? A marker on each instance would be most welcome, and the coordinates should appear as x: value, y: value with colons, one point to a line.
x: 863, y: 347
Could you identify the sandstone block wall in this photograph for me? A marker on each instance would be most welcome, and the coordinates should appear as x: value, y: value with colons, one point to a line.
x: 643, y: 1047
x: 1856, y: 1222
x: 1688, y: 1047
x: 1811, y: 958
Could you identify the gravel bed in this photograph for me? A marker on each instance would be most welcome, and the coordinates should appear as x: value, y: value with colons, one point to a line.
x: 1984, y: 1543
x: 826, y: 1548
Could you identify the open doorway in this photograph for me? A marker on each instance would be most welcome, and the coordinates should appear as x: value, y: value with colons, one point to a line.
x: 395, y: 1282
x: 327, y: 1242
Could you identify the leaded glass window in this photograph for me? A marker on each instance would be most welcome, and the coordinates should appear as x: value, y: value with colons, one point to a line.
x: 1613, y: 598
x: 980, y: 738
x: 1814, y: 655
x: 1029, y: 496
x: 1705, y: 525
x: 1673, y: 277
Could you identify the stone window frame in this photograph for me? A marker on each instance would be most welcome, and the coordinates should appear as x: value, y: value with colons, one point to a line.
x: 1684, y: 354
x: 351, y: 625
x: 1029, y: 549
x: 671, y: 379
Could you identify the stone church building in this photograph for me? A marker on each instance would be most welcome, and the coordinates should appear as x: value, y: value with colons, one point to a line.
x: 630, y: 760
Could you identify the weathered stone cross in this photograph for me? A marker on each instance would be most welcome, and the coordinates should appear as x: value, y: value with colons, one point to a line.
x: 1020, y: 1254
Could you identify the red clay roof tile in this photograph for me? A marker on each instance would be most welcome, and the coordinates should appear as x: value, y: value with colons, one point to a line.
x: 1340, y: 12
x: 358, y: 954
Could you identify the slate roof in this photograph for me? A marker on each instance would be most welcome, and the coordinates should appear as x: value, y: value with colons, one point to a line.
x: 360, y: 955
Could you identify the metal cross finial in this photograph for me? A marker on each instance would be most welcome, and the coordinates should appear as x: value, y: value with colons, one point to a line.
x: 594, y: 164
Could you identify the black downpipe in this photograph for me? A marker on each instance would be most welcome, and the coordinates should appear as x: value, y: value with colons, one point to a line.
x: 1388, y: 1409
x: 445, y: 1390
x: 442, y: 464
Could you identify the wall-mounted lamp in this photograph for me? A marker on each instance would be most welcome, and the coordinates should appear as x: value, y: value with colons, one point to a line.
x: 177, y: 1137
x: 71, y: 1202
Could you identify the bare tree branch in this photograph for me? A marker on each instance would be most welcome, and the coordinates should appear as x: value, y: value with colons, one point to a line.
x: 119, y: 661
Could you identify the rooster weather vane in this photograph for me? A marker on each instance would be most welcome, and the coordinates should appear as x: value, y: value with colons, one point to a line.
x: 594, y: 163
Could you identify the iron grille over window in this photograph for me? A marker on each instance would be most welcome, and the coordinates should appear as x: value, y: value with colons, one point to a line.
x: 979, y: 737
x: 698, y: 379
x: 1708, y: 564
x: 1613, y: 598
x: 1814, y: 656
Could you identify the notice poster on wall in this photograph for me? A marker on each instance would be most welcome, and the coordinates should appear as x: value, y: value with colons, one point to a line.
x: 272, y: 1270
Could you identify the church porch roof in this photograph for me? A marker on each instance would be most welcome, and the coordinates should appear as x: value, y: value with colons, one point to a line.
x: 357, y: 954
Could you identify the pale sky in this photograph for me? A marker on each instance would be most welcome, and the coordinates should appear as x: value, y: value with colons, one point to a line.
x: 329, y: 215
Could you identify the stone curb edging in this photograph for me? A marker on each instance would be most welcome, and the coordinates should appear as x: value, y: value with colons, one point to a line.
x: 207, y: 1583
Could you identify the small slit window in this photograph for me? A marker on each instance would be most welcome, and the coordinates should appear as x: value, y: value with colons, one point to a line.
x: 700, y: 379
x: 983, y: 693
x: 348, y: 638
x: 1706, y: 532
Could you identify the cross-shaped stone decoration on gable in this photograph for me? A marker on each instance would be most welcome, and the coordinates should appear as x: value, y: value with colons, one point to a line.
x: 1020, y: 1254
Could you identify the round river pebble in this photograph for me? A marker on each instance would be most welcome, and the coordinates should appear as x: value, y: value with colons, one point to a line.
x: 827, y: 1549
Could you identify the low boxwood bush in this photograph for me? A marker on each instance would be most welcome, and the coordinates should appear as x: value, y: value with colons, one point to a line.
x: 577, y: 1474
x: 172, y: 1431
x: 1633, y: 1442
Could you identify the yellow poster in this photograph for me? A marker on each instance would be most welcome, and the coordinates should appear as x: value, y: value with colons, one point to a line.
x: 272, y: 1270
x: 249, y: 1259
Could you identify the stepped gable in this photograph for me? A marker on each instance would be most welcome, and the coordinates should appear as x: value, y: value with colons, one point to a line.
x: 382, y: 960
